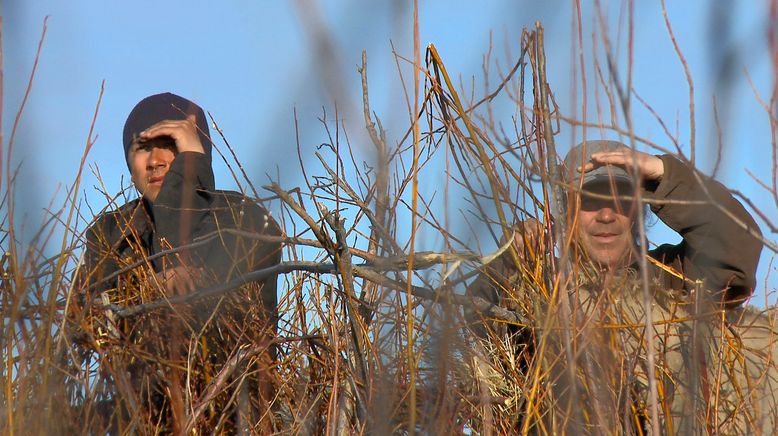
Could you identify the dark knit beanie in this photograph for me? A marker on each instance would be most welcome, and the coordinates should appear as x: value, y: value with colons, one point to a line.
x: 160, y: 107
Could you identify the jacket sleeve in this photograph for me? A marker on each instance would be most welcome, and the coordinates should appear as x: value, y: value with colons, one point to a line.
x: 97, y: 261
x: 94, y: 276
x: 104, y: 240
x: 188, y: 211
x: 237, y: 246
x: 487, y: 285
x: 494, y: 283
x: 182, y: 206
x: 715, y: 248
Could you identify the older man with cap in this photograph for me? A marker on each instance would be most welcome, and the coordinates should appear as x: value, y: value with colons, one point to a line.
x: 695, y: 288
x: 182, y: 235
x: 718, y: 246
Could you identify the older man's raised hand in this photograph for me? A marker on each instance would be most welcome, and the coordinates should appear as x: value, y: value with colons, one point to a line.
x: 649, y: 166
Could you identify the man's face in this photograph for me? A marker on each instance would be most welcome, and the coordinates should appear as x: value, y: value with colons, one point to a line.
x: 149, y: 162
x: 605, y: 224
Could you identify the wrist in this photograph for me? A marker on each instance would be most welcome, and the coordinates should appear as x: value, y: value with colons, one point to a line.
x: 191, y: 149
x: 657, y: 169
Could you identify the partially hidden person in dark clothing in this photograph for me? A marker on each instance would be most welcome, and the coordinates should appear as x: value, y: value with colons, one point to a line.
x: 206, y: 362
x: 714, y: 359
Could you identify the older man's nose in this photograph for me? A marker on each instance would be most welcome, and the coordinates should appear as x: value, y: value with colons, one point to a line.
x: 606, y: 215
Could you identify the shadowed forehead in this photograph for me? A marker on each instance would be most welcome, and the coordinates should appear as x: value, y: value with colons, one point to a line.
x: 608, y: 186
x: 607, y: 193
x: 582, y: 153
x: 158, y: 142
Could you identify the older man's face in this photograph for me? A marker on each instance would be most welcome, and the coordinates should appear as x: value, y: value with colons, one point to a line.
x: 605, y: 225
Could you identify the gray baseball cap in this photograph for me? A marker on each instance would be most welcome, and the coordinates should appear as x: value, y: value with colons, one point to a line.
x: 582, y: 154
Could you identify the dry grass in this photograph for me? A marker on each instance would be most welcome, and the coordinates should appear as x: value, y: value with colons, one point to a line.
x: 372, y: 335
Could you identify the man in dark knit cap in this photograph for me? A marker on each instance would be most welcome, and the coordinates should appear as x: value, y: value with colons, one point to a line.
x: 202, y: 359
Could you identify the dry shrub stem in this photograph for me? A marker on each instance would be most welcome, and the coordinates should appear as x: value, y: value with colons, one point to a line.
x: 374, y: 332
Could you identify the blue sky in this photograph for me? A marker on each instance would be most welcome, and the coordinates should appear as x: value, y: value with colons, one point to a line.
x: 253, y: 63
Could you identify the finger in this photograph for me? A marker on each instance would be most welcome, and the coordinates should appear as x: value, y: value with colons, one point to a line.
x: 173, y: 128
x: 591, y: 166
x: 187, y: 124
x: 612, y: 155
x: 622, y: 154
x: 585, y: 168
x: 184, y: 132
x: 620, y: 150
x: 618, y: 160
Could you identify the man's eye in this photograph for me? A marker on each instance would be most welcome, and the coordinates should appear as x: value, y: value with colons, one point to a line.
x: 169, y: 145
x: 147, y: 146
x: 142, y: 146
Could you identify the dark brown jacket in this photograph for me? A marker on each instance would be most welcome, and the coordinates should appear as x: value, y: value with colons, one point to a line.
x: 187, y: 211
x: 217, y: 232
x: 718, y: 246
